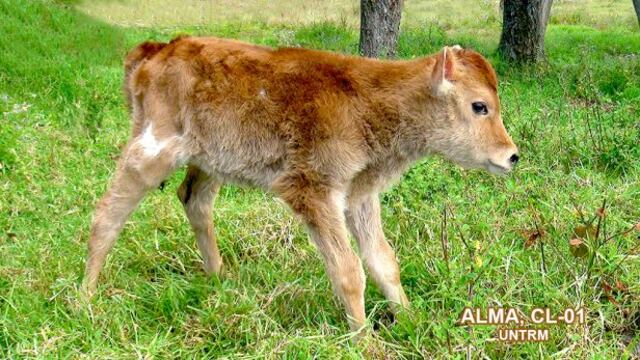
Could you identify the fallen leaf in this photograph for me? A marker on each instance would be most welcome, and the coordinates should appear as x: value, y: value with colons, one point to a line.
x: 532, y: 238
x: 578, y: 247
x: 607, y: 291
x: 584, y: 232
x: 621, y: 286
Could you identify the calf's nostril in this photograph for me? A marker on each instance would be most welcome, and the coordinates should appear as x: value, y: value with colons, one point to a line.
x: 514, y: 158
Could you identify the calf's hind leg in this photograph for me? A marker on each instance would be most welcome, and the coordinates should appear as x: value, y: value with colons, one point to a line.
x: 197, y: 193
x: 141, y: 168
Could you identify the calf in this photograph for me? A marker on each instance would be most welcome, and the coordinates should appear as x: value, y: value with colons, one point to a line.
x: 323, y: 131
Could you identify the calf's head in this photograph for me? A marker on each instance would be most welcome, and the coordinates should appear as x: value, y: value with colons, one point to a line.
x: 471, y: 132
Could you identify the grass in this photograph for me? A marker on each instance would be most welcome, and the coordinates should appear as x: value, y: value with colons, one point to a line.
x: 484, y: 15
x: 575, y: 119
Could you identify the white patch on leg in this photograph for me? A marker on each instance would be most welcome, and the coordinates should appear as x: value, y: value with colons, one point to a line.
x: 150, y: 145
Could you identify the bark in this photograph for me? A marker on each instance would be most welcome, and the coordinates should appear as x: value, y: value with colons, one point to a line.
x: 379, y: 27
x: 636, y: 5
x: 523, y: 27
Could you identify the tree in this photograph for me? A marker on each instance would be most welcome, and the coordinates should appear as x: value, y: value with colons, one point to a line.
x: 636, y: 5
x: 523, y: 27
x: 379, y: 27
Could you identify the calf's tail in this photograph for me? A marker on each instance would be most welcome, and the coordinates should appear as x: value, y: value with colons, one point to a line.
x: 134, y: 58
x: 133, y: 88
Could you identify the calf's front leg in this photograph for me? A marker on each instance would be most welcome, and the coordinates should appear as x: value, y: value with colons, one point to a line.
x: 363, y: 219
x: 323, y: 213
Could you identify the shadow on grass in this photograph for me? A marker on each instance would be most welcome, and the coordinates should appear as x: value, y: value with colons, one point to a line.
x: 47, y: 45
x: 59, y: 60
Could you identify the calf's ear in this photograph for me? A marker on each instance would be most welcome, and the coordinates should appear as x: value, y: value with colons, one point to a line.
x: 442, y: 75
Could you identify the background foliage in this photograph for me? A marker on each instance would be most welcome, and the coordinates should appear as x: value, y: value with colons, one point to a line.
x: 575, y: 119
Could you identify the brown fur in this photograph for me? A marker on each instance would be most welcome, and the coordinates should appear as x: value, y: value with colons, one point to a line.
x: 324, y: 131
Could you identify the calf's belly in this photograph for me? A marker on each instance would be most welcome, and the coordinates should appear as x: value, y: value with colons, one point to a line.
x: 246, y: 170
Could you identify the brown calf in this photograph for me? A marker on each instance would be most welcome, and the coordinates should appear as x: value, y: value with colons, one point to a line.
x: 323, y: 131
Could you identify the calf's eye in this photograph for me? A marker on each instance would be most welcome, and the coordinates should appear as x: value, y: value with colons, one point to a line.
x: 479, y: 108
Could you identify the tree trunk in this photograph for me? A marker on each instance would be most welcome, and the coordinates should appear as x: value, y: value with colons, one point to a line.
x: 636, y: 5
x: 523, y: 27
x: 379, y: 27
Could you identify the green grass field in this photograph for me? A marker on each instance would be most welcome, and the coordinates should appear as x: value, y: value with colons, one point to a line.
x: 576, y: 119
